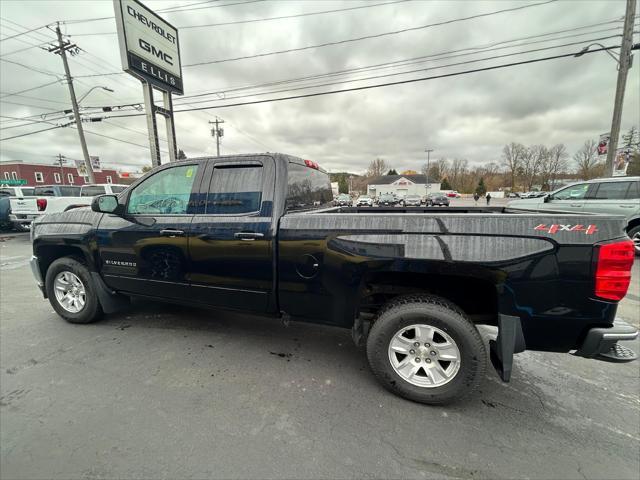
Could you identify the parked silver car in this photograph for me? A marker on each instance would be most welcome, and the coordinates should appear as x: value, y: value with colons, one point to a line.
x: 364, y: 201
x: 617, y: 196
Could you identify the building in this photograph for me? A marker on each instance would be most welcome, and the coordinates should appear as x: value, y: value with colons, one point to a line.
x: 47, y: 174
x: 401, y: 185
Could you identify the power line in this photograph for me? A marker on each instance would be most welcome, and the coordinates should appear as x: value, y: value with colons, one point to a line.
x: 87, y: 20
x: 400, y: 82
x: 378, y: 35
x: 28, y: 89
x: 34, y: 69
x: 26, y: 48
x: 24, y: 33
x: 394, y: 64
x: 33, y: 133
x: 267, y: 19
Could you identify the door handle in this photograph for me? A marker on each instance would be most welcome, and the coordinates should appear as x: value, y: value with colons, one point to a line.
x: 170, y: 232
x: 575, y: 204
x: 248, y: 236
x: 627, y: 206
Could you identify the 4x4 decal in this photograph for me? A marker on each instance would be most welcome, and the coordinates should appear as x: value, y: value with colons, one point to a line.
x: 553, y: 228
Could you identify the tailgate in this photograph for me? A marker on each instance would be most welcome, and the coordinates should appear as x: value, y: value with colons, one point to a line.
x: 23, y: 205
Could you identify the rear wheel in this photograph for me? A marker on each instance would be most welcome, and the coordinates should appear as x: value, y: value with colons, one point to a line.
x: 425, y: 349
x: 634, y: 234
x: 71, y: 292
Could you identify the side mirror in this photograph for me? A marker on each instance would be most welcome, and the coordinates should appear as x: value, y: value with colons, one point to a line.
x: 105, y: 204
x: 547, y: 198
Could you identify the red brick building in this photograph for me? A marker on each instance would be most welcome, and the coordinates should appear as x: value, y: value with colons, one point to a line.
x: 43, y: 174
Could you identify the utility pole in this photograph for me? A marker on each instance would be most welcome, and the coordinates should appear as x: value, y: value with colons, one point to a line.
x: 217, y: 132
x: 623, y: 68
x: 428, y: 150
x: 61, y: 50
x: 61, y: 160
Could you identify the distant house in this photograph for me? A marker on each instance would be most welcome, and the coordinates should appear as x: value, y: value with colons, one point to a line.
x: 401, y: 185
x: 34, y: 174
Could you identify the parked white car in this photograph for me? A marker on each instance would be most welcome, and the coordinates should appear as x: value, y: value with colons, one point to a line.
x: 364, y: 201
x: 55, y: 199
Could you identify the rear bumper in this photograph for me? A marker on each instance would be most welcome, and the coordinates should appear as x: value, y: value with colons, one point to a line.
x: 600, y: 340
x: 22, y: 218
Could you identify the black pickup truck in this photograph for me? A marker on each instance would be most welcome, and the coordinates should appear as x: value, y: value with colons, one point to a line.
x: 257, y: 233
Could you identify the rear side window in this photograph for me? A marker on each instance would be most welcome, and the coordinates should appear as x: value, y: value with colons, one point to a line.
x: 44, y: 192
x: 70, y: 191
x: 308, y: 188
x: 235, y: 190
x: 612, y: 191
x: 27, y: 191
x: 92, y: 191
x: 117, y: 189
x: 634, y: 191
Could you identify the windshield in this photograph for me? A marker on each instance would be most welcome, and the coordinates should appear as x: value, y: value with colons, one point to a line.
x: 386, y: 196
x: 413, y: 197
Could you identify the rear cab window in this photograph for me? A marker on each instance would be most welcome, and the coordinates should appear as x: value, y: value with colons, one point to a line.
x: 308, y: 188
x: 44, y: 192
x: 92, y: 190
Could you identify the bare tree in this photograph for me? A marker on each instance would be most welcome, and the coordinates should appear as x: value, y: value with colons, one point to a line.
x: 512, y: 158
x: 587, y: 161
x: 438, y: 169
x: 555, y: 163
x: 457, y: 172
x: 377, y: 168
x: 531, y: 164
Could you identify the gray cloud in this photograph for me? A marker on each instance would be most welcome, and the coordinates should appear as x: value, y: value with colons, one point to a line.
x: 469, y: 116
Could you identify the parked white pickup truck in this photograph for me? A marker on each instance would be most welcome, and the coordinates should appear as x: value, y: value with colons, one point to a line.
x: 55, y: 199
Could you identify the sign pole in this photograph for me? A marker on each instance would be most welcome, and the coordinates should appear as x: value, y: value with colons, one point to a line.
x: 152, y: 125
x: 171, y: 130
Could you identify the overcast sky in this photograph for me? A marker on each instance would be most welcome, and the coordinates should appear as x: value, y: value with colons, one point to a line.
x: 470, y: 116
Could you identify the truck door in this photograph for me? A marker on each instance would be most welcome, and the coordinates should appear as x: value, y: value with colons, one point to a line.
x: 614, y: 198
x: 570, y: 199
x: 232, y: 236
x: 146, y: 250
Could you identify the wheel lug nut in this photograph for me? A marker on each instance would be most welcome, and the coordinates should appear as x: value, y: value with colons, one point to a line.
x: 412, y: 352
x: 428, y: 360
x: 416, y: 344
x: 433, y: 352
x: 427, y: 344
x: 417, y: 360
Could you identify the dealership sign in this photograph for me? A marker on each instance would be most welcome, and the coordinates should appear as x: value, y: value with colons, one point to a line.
x: 149, y: 47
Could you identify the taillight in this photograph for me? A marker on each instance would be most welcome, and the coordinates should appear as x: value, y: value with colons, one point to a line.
x: 613, y: 270
x: 312, y: 164
x: 42, y: 204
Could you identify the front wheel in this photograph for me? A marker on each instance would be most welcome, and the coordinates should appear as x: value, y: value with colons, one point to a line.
x: 423, y: 348
x: 71, y: 292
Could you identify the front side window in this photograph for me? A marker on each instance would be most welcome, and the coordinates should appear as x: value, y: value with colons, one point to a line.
x: 235, y: 190
x: 92, y: 191
x: 574, y: 192
x: 634, y: 191
x: 39, y: 177
x: 612, y: 190
x: 164, y: 193
x: 117, y: 189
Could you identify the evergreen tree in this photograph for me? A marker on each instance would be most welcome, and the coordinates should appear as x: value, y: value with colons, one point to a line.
x: 182, y: 155
x: 392, y: 172
x: 481, y: 189
x: 445, y: 185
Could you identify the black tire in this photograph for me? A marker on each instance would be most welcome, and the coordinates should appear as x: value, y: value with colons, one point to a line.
x: 92, y: 310
x: 439, y: 313
x: 634, y: 234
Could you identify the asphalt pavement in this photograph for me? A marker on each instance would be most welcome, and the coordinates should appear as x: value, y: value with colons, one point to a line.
x: 162, y: 391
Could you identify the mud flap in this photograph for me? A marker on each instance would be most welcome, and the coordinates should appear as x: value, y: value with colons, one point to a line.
x: 109, y: 300
x: 510, y: 340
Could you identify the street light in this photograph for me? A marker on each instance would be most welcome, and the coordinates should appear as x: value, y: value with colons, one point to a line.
x: 92, y: 89
x: 428, y: 150
x: 586, y: 49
